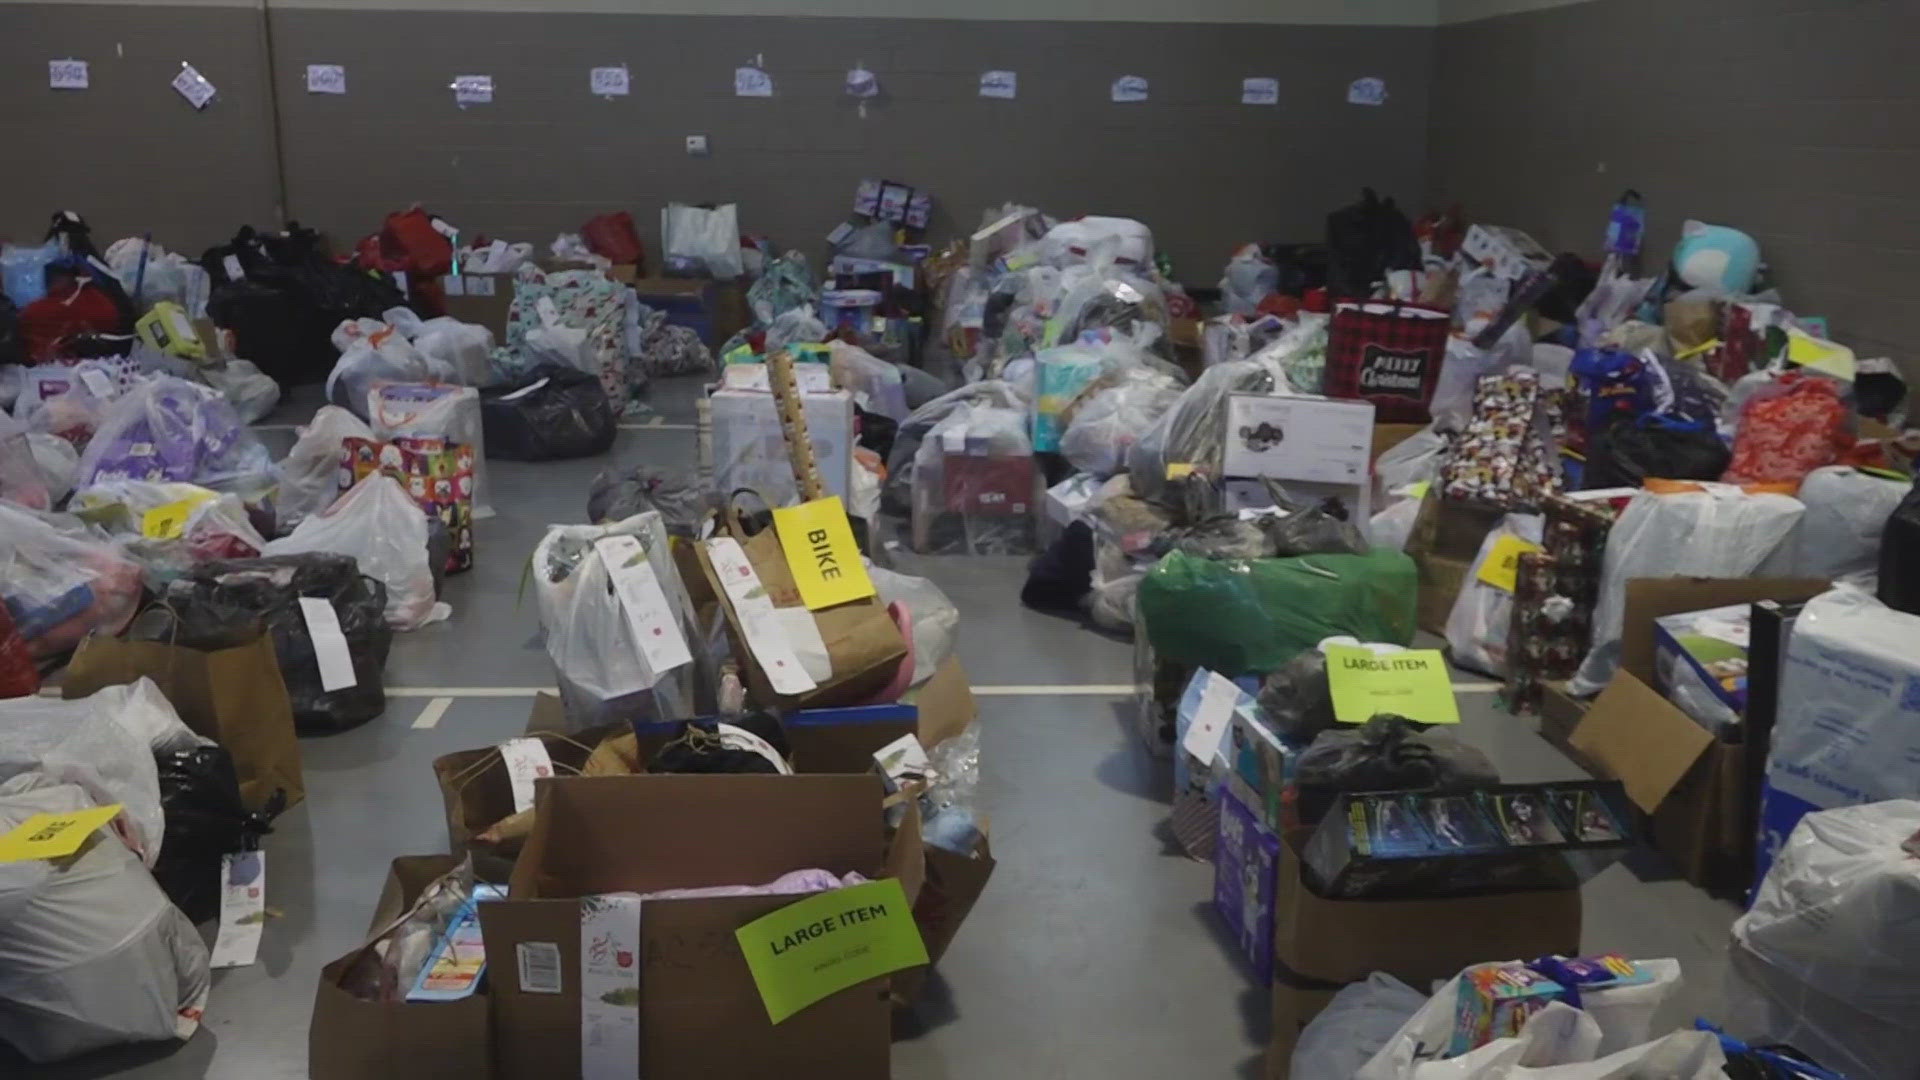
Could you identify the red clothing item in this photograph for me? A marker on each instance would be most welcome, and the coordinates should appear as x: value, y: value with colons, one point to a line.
x: 50, y: 320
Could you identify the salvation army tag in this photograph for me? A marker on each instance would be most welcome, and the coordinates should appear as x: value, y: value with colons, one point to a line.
x: 1413, y: 684
x: 828, y: 942
x: 821, y: 552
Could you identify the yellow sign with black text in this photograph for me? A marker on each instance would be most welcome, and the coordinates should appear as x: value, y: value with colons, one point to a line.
x: 1414, y: 684
x: 1502, y: 566
x: 54, y: 836
x: 828, y: 942
x: 818, y: 542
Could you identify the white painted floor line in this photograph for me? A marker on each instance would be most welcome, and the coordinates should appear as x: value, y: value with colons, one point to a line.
x: 1056, y: 690
x: 657, y: 427
x: 1086, y: 690
x: 431, y: 715
x: 468, y: 691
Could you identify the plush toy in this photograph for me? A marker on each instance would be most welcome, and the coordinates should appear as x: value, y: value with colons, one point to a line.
x: 1716, y: 257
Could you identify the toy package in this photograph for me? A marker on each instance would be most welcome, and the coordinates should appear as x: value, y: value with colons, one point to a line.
x: 1246, y: 861
x: 459, y: 958
x: 1494, y: 1002
x: 1700, y: 663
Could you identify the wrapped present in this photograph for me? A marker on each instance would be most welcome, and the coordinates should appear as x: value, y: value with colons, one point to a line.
x: 437, y: 475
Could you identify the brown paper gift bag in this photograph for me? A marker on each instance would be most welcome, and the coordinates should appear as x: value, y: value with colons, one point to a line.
x: 233, y: 696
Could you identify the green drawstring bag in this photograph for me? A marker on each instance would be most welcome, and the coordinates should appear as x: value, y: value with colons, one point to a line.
x: 1249, y: 616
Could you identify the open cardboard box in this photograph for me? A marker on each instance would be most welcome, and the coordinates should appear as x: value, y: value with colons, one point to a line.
x: 1691, y: 784
x: 351, y: 1039
x: 483, y: 299
x: 1321, y: 944
x: 477, y: 791
x: 1445, y: 540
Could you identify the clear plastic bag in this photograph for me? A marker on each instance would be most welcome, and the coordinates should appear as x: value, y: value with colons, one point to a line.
x: 1482, y: 614
x: 386, y: 533
x: 870, y: 377
x: 617, y: 496
x: 1190, y: 433
x: 59, y: 587
x: 21, y: 480
x: 23, y: 269
x: 914, y: 430
x: 309, y: 476
x: 171, y: 429
x: 1301, y: 352
x: 701, y: 240
x: 1847, y: 511
x: 466, y: 348
x: 434, y: 411
x: 57, y: 460
x: 251, y: 391
x: 1250, y: 277
x: 1106, y: 423
x: 92, y: 954
x: 795, y: 326
x: 936, y: 622
x: 974, y: 483
x: 1359, y: 1020
x: 372, y: 352
x: 216, y: 524
x: 151, y: 274
x: 1387, y: 753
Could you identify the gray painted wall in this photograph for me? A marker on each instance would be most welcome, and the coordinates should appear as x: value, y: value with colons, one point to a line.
x: 1795, y: 120
x: 1205, y: 171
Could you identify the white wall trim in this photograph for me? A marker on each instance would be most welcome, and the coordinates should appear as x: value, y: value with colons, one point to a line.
x: 1462, y: 11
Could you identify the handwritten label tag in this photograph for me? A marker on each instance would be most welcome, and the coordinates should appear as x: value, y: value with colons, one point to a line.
x: 67, y: 74
x: 527, y: 760
x: 326, y: 79
x: 752, y: 82
x: 821, y: 552
x: 649, y: 617
x: 828, y: 942
x: 758, y: 624
x: 54, y: 836
x: 243, y: 909
x: 1502, y: 568
x: 329, y: 644
x: 1368, y: 91
x: 1208, y: 729
x: 193, y: 86
x: 1128, y: 88
x: 1413, y: 684
x: 609, y: 81
x: 1004, y: 85
x: 473, y: 89
x: 1260, y: 91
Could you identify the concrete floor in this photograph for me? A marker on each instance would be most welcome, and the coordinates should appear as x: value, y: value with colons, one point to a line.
x: 1093, y: 953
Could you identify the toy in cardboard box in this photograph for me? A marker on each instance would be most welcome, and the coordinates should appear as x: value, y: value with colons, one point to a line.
x: 1246, y: 860
x: 437, y: 476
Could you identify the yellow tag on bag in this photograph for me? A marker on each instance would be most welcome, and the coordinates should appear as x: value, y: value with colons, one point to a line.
x: 168, y: 521
x: 54, y: 836
x: 1502, y: 568
x: 1414, y: 684
x: 821, y: 552
x: 828, y: 942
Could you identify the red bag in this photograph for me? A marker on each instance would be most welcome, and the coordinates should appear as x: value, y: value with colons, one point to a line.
x: 50, y: 320
x: 414, y: 239
x: 613, y: 236
x: 18, y: 675
x: 1388, y: 353
x: 1788, y: 429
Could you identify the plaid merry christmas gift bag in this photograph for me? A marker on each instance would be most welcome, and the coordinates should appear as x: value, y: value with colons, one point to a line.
x: 1388, y: 353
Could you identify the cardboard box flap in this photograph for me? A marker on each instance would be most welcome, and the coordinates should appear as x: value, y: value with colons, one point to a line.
x: 647, y: 833
x: 907, y: 854
x: 1636, y: 736
x: 946, y: 703
x: 1650, y: 598
x: 407, y: 878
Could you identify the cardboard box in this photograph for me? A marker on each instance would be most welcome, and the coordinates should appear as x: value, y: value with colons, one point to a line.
x: 1445, y: 539
x: 715, y: 310
x: 480, y: 298
x: 749, y: 449
x: 350, y: 1039
x: 1692, y: 785
x: 1388, y: 436
x: 1508, y: 252
x: 477, y: 792
x: 1319, y: 440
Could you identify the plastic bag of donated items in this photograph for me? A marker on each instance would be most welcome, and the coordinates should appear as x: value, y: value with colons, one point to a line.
x: 701, y: 241
x: 1482, y: 614
x: 974, y: 483
x: 995, y: 393
x: 1354, y: 1026
x: 308, y: 479
x: 1847, y: 511
x: 1106, y: 423
x: 91, y: 952
x: 1190, y: 433
x: 464, y: 347
x: 251, y: 391
x: 434, y: 411
x: 1695, y: 530
x: 1825, y: 958
x: 59, y: 588
x: 167, y: 428
x: 936, y: 622
x: 20, y: 476
x: 213, y: 526
x: 386, y: 533
x: 604, y: 674
x: 550, y: 414
x: 372, y: 351
x: 616, y: 496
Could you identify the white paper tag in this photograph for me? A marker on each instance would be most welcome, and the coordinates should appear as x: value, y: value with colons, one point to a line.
x: 527, y: 760
x: 525, y: 390
x: 539, y: 964
x: 473, y: 89
x: 1260, y: 91
x: 752, y: 82
x: 67, y: 74
x: 442, y: 226
x: 1368, y: 91
x: 608, y: 81
x: 1210, y: 720
x: 758, y: 624
x: 1000, y: 84
x: 453, y: 285
x: 480, y: 286
x: 609, y: 987
x: 400, y: 281
x: 326, y: 79
x: 243, y: 908
x: 97, y: 383
x: 548, y: 312
x: 1130, y: 88
x: 803, y: 633
x: 231, y: 264
x: 329, y: 644
x: 193, y: 86
x: 649, y: 615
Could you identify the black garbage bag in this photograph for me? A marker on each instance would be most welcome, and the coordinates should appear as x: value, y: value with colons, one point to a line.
x: 1900, y: 556
x: 1625, y: 454
x: 1364, y: 241
x: 552, y: 412
x: 1387, y: 753
x: 1059, y: 578
x: 288, y: 297
x: 1320, y: 529
x: 200, y: 795
x: 704, y: 747
x: 1296, y: 698
x: 617, y: 495
x: 225, y: 603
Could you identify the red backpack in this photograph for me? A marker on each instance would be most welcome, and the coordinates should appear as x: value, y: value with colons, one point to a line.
x: 421, y: 242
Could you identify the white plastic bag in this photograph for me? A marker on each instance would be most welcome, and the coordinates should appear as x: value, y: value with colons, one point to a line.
x: 165, y: 276
x: 1250, y: 277
x: 1482, y: 614
x: 1846, y: 512
x: 1414, y: 459
x: 92, y: 953
x: 875, y: 383
x: 57, y: 460
x: 372, y: 351
x: 252, y: 392
x: 386, y: 531
x: 936, y: 622
x: 467, y: 348
x: 309, y: 476
x: 1096, y: 239
x: 703, y: 239
x: 434, y: 411
x: 1353, y: 1027
x: 1106, y: 423
x: 1392, y: 527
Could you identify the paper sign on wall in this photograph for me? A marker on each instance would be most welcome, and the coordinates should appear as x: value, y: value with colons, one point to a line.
x: 821, y: 552
x: 473, y: 89
x: 862, y: 83
x: 67, y: 74
x: 1130, y: 88
x: 193, y: 86
x: 54, y: 836
x: 1368, y: 91
x: 828, y: 942
x: 609, y: 81
x: 649, y: 616
x: 326, y: 79
x: 1413, y: 684
x: 1502, y: 566
x: 1000, y: 84
x: 752, y: 82
x: 1260, y: 91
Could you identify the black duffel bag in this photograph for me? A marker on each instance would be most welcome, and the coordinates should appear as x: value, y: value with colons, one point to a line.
x: 1626, y: 454
x: 552, y: 412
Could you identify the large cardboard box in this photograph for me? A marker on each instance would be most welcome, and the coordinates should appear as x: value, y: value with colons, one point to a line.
x: 351, y: 1039
x: 1445, y: 539
x: 715, y: 310
x: 1692, y: 784
x: 749, y: 447
x: 480, y: 298
x: 478, y: 793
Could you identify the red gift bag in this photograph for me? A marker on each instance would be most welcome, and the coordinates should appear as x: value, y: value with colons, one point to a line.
x: 1788, y: 429
x: 613, y: 236
x: 1388, y: 353
x: 419, y: 241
